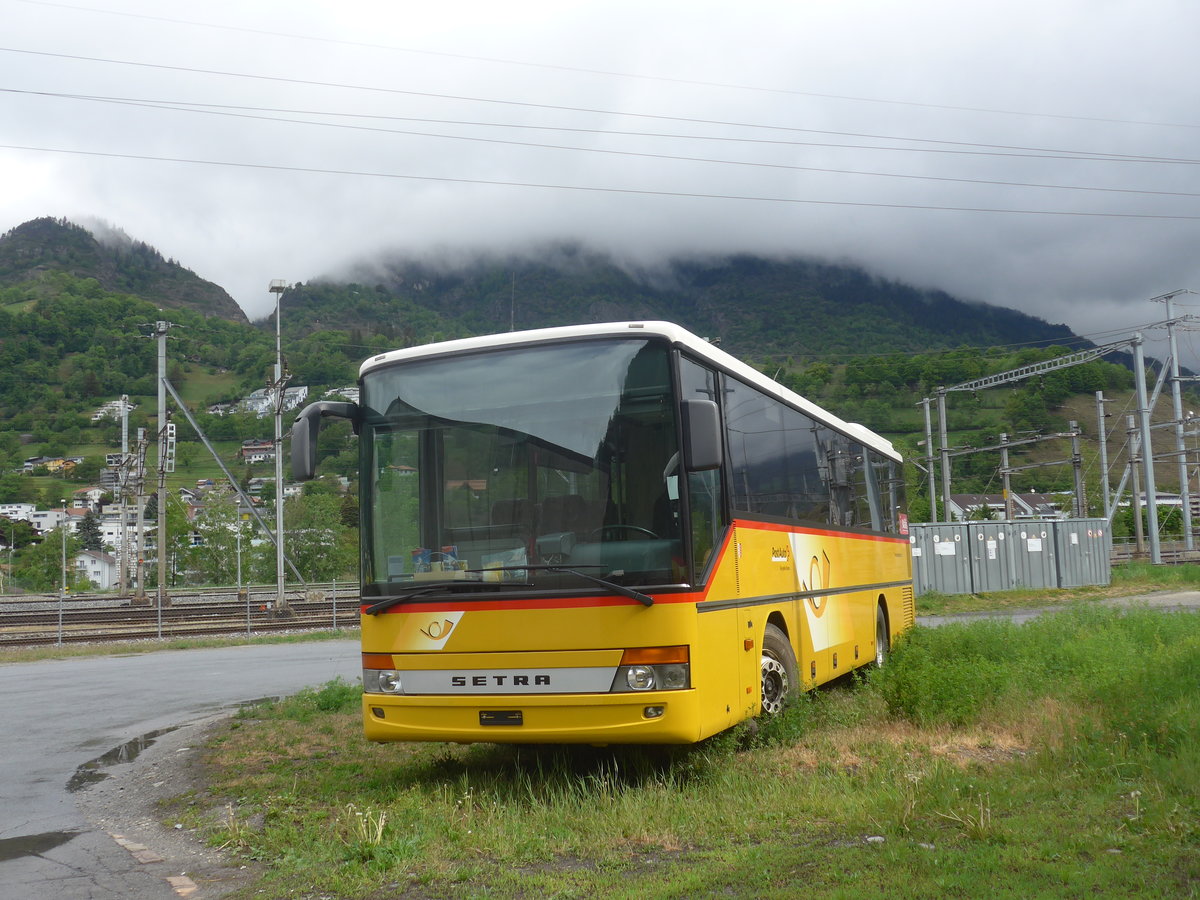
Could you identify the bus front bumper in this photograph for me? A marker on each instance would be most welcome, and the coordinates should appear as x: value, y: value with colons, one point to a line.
x: 662, y: 717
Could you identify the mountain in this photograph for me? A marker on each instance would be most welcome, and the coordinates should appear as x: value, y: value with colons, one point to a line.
x: 34, y: 250
x: 756, y: 306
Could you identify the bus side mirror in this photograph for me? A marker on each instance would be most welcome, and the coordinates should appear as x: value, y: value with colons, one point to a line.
x: 701, y: 435
x: 306, y: 430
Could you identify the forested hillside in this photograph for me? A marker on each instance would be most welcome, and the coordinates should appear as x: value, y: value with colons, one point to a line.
x: 39, y: 249
x: 756, y: 307
x: 867, y: 349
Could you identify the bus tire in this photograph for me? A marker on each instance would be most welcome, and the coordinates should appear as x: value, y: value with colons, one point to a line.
x: 780, y: 674
x: 883, y: 641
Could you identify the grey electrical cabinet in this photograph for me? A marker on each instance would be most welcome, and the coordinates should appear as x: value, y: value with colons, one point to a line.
x: 941, y: 558
x: 978, y: 557
x: 1084, y: 552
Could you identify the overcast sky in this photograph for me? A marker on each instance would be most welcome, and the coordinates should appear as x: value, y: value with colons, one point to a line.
x: 1043, y: 156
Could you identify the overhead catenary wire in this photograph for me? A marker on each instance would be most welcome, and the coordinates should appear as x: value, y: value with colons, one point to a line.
x: 609, y: 189
x: 188, y: 108
x: 612, y: 73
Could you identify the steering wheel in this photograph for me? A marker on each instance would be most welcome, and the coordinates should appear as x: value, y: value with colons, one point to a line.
x: 604, y: 530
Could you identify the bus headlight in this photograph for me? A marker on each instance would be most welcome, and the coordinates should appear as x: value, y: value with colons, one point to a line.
x: 673, y: 677
x: 640, y: 678
x: 382, y: 681
x: 653, y: 669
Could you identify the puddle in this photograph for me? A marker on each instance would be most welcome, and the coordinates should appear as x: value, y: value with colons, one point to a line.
x: 92, y: 772
x: 32, y: 844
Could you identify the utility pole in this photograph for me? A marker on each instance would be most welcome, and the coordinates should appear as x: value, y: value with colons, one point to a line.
x: 277, y: 287
x: 1102, y: 434
x: 1006, y: 477
x: 1177, y: 408
x: 139, y: 594
x: 1139, y: 375
x: 933, y: 503
x: 1077, y: 470
x: 944, y: 449
x: 1136, y: 494
x: 166, y: 458
x: 123, y: 488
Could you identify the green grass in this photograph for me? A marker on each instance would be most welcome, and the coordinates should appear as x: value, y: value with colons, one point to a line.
x: 201, y: 387
x: 1053, y: 759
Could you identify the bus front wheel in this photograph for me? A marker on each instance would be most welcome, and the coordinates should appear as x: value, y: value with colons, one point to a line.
x: 780, y: 675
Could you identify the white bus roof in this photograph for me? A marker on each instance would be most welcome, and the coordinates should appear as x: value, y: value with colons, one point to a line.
x: 673, y: 333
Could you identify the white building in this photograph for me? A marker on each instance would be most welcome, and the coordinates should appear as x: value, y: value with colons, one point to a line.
x: 98, y: 568
x: 46, y: 520
x: 112, y: 410
x: 22, y: 512
x: 262, y: 401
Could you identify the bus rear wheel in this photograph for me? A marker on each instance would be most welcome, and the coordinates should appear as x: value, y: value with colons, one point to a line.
x: 780, y: 675
x: 883, y: 641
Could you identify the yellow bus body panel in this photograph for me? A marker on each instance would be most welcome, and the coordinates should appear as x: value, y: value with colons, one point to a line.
x: 822, y: 588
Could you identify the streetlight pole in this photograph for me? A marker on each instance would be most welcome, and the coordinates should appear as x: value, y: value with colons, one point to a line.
x: 277, y: 288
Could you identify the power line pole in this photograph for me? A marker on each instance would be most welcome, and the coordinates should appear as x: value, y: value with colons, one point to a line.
x: 166, y: 458
x: 123, y: 488
x: 1102, y: 436
x: 139, y: 594
x: 1139, y: 375
x: 277, y: 287
x: 1177, y: 408
x: 933, y: 502
x: 944, y: 449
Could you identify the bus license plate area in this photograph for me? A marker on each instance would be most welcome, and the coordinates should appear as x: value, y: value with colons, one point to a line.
x: 501, y: 717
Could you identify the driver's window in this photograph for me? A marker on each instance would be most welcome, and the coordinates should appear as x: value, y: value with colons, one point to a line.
x: 705, y: 494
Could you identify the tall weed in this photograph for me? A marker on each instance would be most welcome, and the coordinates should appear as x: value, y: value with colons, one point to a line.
x: 1140, y: 667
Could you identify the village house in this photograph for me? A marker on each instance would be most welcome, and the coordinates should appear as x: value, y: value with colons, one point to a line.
x: 257, y: 451
x: 18, y: 512
x: 112, y: 410
x: 262, y: 401
x: 98, y: 568
x: 88, y: 498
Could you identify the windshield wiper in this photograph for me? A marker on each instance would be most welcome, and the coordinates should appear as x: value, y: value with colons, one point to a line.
x: 429, y: 587
x: 641, y: 598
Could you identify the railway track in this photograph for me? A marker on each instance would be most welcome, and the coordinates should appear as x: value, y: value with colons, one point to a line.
x: 94, y: 618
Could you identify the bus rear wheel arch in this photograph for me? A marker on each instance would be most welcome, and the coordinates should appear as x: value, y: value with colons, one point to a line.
x: 780, y: 674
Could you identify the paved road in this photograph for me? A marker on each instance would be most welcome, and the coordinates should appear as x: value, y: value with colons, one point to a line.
x: 57, y: 715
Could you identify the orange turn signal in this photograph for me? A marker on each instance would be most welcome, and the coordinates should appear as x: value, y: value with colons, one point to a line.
x: 650, y: 656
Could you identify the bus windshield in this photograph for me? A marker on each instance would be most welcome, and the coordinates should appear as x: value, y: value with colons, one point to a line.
x: 509, y: 467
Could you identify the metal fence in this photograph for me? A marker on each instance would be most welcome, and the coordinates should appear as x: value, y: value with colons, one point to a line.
x: 974, y: 557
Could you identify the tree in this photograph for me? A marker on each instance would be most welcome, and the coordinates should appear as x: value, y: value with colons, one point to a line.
x: 90, y: 534
x: 315, y: 539
x: 216, y: 559
x: 39, y: 566
x: 349, y: 510
x: 17, y: 533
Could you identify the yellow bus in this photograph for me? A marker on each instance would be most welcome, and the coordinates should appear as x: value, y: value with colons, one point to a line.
x: 612, y: 533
